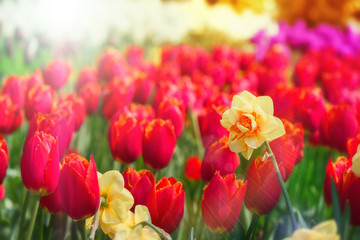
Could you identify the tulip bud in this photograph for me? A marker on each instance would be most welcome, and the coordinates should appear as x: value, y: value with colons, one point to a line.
x: 221, y: 202
x: 118, y: 94
x: 158, y: 143
x: 111, y: 64
x: 263, y: 190
x: 39, y: 99
x: 57, y: 74
x: 218, y: 157
x: 143, y: 113
x: 141, y: 184
x: 144, y: 86
x: 4, y: 158
x: 40, y: 164
x: 79, y: 187
x: 166, y: 205
x: 87, y: 75
x: 193, y: 168
x: 173, y: 110
x: 125, y: 138
x: 35, y: 79
x: 7, y: 113
x: 209, y: 123
x: 90, y: 93
x: 338, y: 125
x: 340, y: 172
x: 15, y: 87
x: 76, y: 104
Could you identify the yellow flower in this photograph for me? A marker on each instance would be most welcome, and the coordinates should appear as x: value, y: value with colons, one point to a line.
x: 250, y: 122
x: 116, y: 201
x: 129, y: 230
x: 356, y: 162
x: 324, y: 231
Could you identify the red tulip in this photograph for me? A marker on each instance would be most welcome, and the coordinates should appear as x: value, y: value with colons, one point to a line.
x: 221, y: 202
x: 10, y: 118
x: 90, y: 93
x: 209, y: 123
x: 144, y: 86
x: 111, y: 64
x: 76, y: 104
x: 125, y: 138
x: 263, y: 190
x: 135, y: 55
x: 2, y: 192
x: 40, y: 164
x: 340, y: 172
x: 118, y: 95
x: 4, y: 158
x: 39, y: 99
x: 141, y: 185
x: 218, y: 157
x: 15, y: 87
x: 143, y: 113
x: 338, y: 125
x: 158, y: 143
x: 35, y: 79
x: 54, y: 124
x: 352, y: 145
x: 166, y: 204
x: 52, y: 202
x: 56, y: 74
x: 310, y: 107
x: 193, y: 168
x: 87, y: 75
x: 289, y: 148
x: 79, y: 187
x: 173, y: 110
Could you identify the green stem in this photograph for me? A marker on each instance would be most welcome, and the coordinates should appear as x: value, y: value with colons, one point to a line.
x: 82, y: 229
x: 352, y: 232
x: 152, y: 227
x: 282, y: 184
x: 41, y: 226
x: 197, y: 133
x: 50, y: 227
x: 32, y: 220
x: 253, y: 224
x: 23, y: 213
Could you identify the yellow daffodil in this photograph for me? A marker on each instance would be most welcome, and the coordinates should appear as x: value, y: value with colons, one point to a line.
x: 130, y: 230
x: 325, y: 231
x: 250, y: 122
x: 116, y: 201
x: 356, y: 162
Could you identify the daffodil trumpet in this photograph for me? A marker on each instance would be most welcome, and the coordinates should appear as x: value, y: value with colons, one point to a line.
x: 282, y: 184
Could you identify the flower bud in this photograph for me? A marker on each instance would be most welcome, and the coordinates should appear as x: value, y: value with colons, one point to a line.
x: 158, y: 143
x: 221, y: 202
x: 193, y: 168
x: 90, y: 93
x: 40, y: 164
x: 263, y: 190
x: 39, y: 99
x: 79, y: 187
x: 141, y: 185
x: 173, y: 110
x: 15, y: 87
x: 87, y: 75
x: 166, y: 206
x: 219, y: 157
x: 125, y: 138
x: 56, y: 74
